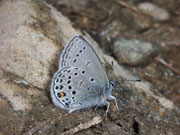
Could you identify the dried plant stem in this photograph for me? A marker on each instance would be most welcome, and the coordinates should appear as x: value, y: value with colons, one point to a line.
x: 96, y: 120
x: 132, y: 8
x: 160, y: 60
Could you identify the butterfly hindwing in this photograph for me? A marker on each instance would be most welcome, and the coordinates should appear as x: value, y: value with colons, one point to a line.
x: 74, y: 88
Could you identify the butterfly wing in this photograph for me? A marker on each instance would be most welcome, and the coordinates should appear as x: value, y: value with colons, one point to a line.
x: 73, y: 88
x: 81, y: 80
x: 78, y: 53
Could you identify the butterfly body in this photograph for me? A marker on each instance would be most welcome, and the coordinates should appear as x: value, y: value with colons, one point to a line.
x: 80, y: 81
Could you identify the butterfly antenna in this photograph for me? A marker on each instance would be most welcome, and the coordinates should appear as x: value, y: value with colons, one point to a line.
x: 138, y: 80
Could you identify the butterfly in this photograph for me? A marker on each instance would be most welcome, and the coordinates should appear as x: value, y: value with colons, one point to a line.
x: 80, y: 81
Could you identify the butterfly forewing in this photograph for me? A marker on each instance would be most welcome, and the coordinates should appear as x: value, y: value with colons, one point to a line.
x: 78, y: 53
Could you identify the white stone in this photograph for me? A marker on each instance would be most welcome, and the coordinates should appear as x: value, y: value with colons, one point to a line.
x: 158, y: 13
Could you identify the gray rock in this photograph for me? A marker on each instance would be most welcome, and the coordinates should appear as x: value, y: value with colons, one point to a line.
x: 133, y: 52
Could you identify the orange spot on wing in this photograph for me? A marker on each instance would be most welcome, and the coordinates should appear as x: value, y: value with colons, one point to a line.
x: 62, y: 94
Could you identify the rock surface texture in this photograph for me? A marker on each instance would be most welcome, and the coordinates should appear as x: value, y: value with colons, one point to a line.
x: 133, y: 52
x: 32, y: 36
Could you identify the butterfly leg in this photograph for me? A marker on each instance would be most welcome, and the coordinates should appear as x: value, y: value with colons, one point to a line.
x: 107, y: 104
x: 72, y: 110
x: 113, y: 98
x: 96, y: 108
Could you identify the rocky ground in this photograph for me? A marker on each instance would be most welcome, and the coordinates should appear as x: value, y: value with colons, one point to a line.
x: 138, y: 40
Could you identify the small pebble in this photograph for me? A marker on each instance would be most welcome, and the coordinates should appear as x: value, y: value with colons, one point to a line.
x: 158, y: 13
